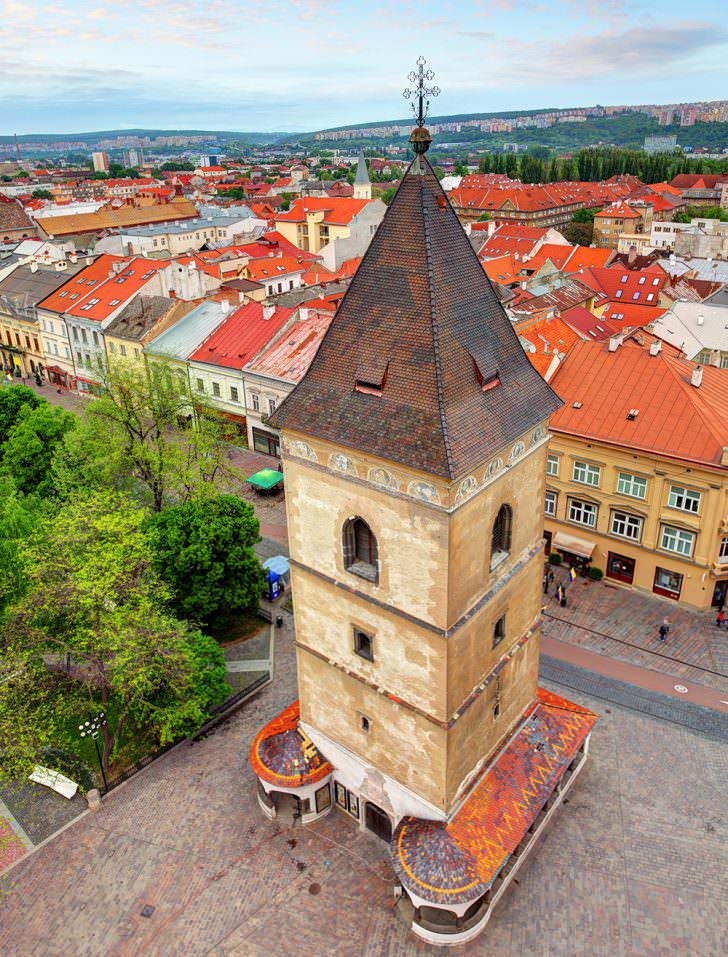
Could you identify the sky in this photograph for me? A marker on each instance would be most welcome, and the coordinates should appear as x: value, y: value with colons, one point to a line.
x: 301, y: 65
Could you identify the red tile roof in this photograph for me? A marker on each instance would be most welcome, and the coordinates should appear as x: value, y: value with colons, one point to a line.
x: 337, y: 210
x: 547, y: 335
x: 241, y: 336
x: 78, y: 287
x: 457, y: 861
x: 587, y: 325
x: 633, y: 315
x: 109, y: 296
x: 291, y: 355
x: 675, y: 418
x: 616, y: 283
x: 277, y: 753
x: 275, y: 266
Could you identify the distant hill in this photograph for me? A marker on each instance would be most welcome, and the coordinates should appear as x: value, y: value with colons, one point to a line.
x: 91, y: 138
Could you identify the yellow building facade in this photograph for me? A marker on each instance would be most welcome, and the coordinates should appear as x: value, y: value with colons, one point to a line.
x: 655, y: 525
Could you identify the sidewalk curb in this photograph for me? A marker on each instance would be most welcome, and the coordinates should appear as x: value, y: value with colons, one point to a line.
x: 685, y: 713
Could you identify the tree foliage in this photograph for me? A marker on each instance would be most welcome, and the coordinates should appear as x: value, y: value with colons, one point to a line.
x: 204, y: 551
x: 12, y: 399
x: 19, y: 515
x: 138, y: 437
x: 28, y: 451
x: 94, y: 598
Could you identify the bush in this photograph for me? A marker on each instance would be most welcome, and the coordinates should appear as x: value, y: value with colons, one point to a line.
x: 596, y: 574
x: 554, y: 558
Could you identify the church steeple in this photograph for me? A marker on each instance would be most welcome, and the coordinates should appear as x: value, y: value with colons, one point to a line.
x: 421, y: 365
x: 362, y: 183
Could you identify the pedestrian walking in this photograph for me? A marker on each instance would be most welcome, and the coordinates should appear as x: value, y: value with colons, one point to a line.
x: 719, y: 619
x: 664, y: 628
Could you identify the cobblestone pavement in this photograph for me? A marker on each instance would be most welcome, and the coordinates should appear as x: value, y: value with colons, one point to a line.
x: 636, y: 865
x: 624, y: 625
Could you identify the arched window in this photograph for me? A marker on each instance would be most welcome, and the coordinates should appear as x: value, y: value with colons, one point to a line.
x: 500, y: 544
x: 360, y: 550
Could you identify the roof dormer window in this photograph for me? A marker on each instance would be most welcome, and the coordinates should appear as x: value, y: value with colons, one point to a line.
x: 488, y: 378
x: 371, y: 376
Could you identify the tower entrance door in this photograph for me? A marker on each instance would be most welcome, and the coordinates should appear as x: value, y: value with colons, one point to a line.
x: 378, y: 822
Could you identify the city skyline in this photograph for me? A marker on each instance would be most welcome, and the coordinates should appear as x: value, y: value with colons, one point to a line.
x: 92, y: 67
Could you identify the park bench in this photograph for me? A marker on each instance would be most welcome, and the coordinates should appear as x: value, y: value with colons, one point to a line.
x: 55, y: 780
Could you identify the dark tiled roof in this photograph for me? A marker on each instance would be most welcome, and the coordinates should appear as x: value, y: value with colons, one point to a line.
x: 27, y: 287
x: 420, y: 306
x: 140, y: 316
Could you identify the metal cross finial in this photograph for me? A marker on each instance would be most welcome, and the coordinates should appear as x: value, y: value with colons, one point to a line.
x: 419, y: 95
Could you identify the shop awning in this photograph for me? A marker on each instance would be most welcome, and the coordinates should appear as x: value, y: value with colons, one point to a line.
x: 572, y: 543
x: 266, y: 478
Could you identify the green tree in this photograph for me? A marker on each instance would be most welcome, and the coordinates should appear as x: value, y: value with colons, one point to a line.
x: 93, y: 596
x: 586, y: 215
x: 134, y: 437
x: 204, y: 551
x: 41, y: 194
x: 484, y: 217
x: 19, y: 515
x: 701, y: 212
x: 578, y: 234
x: 12, y: 399
x: 29, y: 449
x: 388, y: 195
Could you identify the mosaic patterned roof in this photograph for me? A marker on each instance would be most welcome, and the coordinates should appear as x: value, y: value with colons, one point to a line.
x: 281, y: 753
x: 456, y: 862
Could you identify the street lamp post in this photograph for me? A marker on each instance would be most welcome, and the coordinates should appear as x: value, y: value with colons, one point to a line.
x: 92, y: 728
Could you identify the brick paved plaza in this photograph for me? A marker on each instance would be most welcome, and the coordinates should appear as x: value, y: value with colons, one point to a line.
x: 636, y: 865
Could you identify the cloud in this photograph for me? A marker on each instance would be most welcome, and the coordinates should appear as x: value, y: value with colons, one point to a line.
x: 639, y: 48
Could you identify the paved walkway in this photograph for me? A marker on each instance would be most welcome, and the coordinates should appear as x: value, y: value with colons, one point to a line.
x: 635, y: 865
x: 613, y: 623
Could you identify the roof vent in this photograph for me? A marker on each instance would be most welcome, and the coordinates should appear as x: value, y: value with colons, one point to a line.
x: 655, y: 347
x: 632, y: 414
x: 701, y: 319
x: 696, y: 378
x: 576, y: 405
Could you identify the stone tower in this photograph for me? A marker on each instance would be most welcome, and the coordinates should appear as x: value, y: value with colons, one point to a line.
x: 414, y: 453
x: 362, y: 183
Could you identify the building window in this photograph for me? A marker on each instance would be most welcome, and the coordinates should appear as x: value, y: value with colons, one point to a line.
x: 583, y: 513
x: 684, y: 498
x: 84, y: 336
x: 363, y: 645
x: 122, y: 349
x: 552, y: 465
x: 75, y: 334
x: 677, y: 540
x: 634, y: 485
x: 360, y: 550
x: 255, y: 400
x: 234, y: 394
x: 550, y: 503
x: 216, y: 389
x: 96, y: 339
x: 112, y: 348
x: 667, y: 583
x: 627, y: 526
x: 496, y: 709
x: 586, y: 474
x: 499, y: 631
x: 500, y: 543
x: 200, y: 385
x: 723, y: 550
x: 364, y: 723
x: 271, y: 406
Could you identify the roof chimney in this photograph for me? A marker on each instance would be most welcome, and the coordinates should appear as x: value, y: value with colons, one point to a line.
x: 655, y: 347
x: 268, y: 310
x: 632, y: 255
x: 696, y: 378
x: 615, y: 342
x: 34, y: 267
x: 701, y: 319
